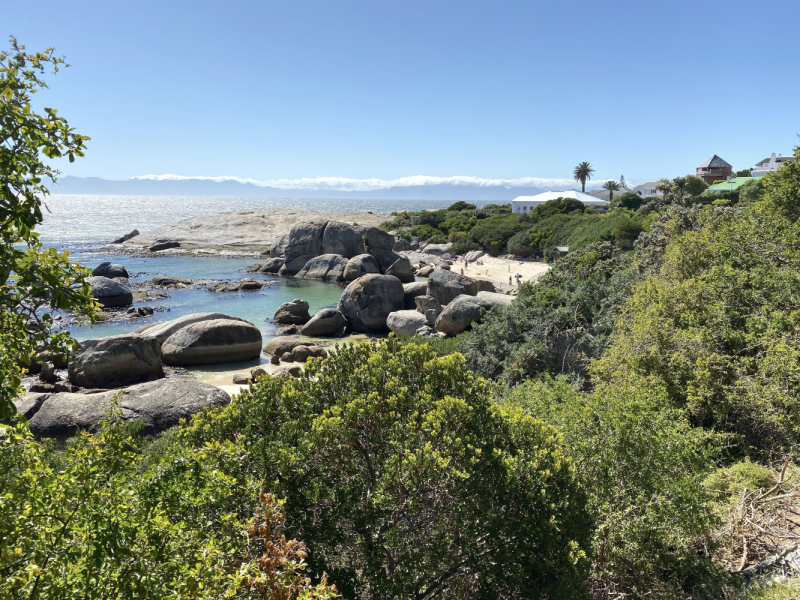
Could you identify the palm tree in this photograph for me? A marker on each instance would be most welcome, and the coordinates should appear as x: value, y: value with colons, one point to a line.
x: 583, y: 172
x: 612, y: 186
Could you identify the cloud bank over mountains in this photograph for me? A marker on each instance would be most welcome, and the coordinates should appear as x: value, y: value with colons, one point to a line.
x: 416, y: 187
x: 363, y: 185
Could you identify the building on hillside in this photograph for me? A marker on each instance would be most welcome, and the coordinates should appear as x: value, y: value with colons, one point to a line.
x: 525, y: 204
x: 603, y: 194
x: 732, y: 184
x: 648, y: 190
x: 714, y: 169
x: 772, y: 163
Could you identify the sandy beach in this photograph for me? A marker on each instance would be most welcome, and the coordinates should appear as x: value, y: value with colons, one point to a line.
x: 498, y: 270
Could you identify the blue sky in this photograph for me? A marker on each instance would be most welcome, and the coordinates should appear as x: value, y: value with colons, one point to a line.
x: 377, y: 89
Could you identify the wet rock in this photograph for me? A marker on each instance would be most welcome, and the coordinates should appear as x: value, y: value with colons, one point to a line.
x: 165, y: 281
x: 110, y: 293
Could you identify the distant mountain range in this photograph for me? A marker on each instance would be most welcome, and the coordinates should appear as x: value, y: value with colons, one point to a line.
x: 201, y: 187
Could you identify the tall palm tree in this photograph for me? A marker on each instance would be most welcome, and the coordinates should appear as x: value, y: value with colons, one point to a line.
x: 612, y: 186
x: 583, y: 172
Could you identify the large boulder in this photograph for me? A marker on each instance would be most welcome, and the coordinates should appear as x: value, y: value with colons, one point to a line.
x: 426, y: 303
x: 301, y: 354
x: 166, y: 281
x: 327, y: 322
x: 367, y: 301
x: 327, y: 267
x: 379, y: 240
x: 282, y: 344
x: 411, y: 291
x: 305, y: 242
x: 160, y: 404
x: 278, y: 246
x: 343, y: 239
x: 460, y: 314
x: 474, y: 255
x: 401, y: 268
x: 384, y: 258
x: 29, y: 404
x: 401, y: 245
x: 116, y: 361
x: 496, y: 299
x: 360, y: 265
x: 405, y: 322
x: 439, y: 249
x: 126, y: 237
x: 292, y: 313
x: 166, y: 245
x: 271, y: 265
x: 110, y: 293
x: 447, y: 285
x: 164, y: 330
x: 425, y: 271
x: 107, y: 269
x: 209, y: 342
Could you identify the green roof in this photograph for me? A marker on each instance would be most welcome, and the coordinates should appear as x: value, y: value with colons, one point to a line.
x: 734, y: 184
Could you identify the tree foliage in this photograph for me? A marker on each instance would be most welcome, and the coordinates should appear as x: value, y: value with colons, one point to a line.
x: 33, y: 280
x: 407, y: 481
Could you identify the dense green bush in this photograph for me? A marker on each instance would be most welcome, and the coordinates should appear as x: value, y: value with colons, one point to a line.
x: 643, y: 466
x: 407, y: 481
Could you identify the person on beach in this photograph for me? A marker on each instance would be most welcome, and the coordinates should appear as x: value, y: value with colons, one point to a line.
x: 509, y: 280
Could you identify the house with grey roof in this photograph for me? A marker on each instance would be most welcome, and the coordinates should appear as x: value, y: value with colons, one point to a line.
x: 771, y: 163
x: 603, y: 194
x: 714, y: 169
x: 648, y: 190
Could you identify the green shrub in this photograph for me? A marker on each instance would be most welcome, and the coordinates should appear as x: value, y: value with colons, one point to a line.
x: 407, y: 480
x: 734, y: 479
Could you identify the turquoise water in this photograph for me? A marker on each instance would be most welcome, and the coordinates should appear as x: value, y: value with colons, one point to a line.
x: 255, y: 307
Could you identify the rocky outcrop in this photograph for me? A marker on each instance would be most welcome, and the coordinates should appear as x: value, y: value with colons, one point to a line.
x: 278, y: 246
x: 367, y: 301
x: 272, y: 265
x: 360, y: 265
x: 29, y: 404
x: 116, y: 361
x: 280, y: 345
x: 495, y: 299
x: 474, y: 255
x: 445, y: 286
x: 379, y: 240
x: 215, y: 341
x: 426, y: 303
x: 405, y: 322
x: 327, y: 322
x: 402, y: 269
x: 164, y: 330
x: 342, y: 239
x: 110, y: 293
x: 401, y: 245
x: 485, y: 285
x: 110, y: 270
x: 439, y: 249
x: 411, y: 291
x: 305, y: 243
x: 425, y: 271
x: 126, y: 237
x: 160, y: 404
x: 460, y: 314
x: 159, y: 246
x: 292, y: 313
x: 327, y: 267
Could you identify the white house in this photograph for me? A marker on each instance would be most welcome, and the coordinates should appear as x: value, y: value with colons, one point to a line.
x: 604, y: 193
x: 648, y: 190
x: 773, y: 163
x: 525, y: 204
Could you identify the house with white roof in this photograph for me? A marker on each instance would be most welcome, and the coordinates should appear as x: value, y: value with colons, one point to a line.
x: 525, y: 204
x: 772, y: 163
x: 648, y: 190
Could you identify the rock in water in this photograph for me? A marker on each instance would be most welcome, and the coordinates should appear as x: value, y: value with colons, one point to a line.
x: 446, y: 285
x: 305, y: 242
x: 116, y: 361
x: 379, y: 240
x: 110, y: 293
x: 271, y: 265
x: 411, y: 291
x: 165, y: 281
x: 460, y: 314
x: 160, y: 404
x: 367, y: 301
x: 292, y: 313
x: 109, y: 270
x: 363, y: 264
x: 405, y: 322
x: 327, y: 322
x: 327, y: 267
x: 210, y: 342
x: 164, y: 330
x: 278, y: 246
x: 126, y: 237
x: 164, y: 246
x: 343, y: 239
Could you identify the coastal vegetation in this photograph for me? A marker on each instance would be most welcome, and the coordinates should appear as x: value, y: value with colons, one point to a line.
x: 626, y: 428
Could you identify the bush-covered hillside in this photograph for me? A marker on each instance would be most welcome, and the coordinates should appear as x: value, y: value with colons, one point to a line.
x: 495, y: 229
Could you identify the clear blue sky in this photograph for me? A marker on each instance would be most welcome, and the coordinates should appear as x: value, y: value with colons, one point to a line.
x: 373, y: 88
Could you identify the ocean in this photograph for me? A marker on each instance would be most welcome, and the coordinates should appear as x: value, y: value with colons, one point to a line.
x: 85, y: 224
